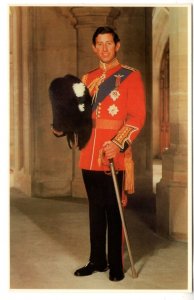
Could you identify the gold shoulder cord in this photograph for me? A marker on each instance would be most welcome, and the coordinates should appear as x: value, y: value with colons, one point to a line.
x: 128, y: 68
x: 84, y: 78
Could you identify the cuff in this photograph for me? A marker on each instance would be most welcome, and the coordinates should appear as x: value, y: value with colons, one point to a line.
x: 122, y: 139
x: 126, y: 145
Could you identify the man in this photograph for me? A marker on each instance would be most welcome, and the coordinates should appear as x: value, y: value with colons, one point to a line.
x: 118, y: 115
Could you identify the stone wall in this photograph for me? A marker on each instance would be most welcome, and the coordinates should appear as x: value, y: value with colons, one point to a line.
x: 54, y: 54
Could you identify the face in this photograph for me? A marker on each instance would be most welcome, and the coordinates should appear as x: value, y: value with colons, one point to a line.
x: 105, y: 47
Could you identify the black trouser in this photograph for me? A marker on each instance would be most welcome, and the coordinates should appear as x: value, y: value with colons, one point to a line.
x: 103, y: 213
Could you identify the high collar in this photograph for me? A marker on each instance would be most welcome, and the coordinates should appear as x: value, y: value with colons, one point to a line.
x: 106, y: 67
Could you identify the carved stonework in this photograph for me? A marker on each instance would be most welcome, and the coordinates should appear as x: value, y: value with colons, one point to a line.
x: 66, y: 12
x: 93, y: 16
x: 89, y: 16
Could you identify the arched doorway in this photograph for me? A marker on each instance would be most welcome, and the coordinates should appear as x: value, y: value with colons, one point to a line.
x: 164, y: 135
x: 164, y: 131
x: 160, y: 36
x: 164, y: 101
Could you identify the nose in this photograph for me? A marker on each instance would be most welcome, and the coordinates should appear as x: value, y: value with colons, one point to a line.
x: 105, y: 47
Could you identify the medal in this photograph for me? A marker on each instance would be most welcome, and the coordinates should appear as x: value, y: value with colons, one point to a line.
x: 118, y: 80
x: 115, y: 93
x: 113, y: 110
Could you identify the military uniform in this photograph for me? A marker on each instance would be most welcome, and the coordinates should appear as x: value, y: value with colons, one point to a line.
x: 118, y: 115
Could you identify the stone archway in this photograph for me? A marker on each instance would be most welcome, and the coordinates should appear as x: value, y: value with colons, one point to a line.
x: 160, y: 37
x: 164, y: 101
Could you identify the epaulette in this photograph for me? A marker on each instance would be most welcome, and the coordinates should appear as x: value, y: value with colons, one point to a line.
x: 128, y: 68
x: 84, y: 78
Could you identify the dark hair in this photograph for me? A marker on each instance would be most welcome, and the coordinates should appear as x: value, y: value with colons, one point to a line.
x: 103, y: 30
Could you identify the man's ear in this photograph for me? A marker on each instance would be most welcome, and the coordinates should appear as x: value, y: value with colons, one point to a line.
x: 93, y: 48
x: 118, y: 44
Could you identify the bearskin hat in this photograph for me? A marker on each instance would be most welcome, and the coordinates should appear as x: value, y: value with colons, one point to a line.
x: 71, y: 108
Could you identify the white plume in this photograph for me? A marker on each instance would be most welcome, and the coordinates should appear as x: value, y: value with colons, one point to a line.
x: 79, y: 89
x: 81, y: 107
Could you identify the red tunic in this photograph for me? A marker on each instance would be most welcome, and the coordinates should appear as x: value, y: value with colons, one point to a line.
x: 118, y: 118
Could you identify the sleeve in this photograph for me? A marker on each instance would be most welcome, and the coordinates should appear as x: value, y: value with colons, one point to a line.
x: 136, y: 112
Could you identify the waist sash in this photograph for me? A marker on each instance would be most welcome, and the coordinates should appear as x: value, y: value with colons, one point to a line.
x: 107, y: 124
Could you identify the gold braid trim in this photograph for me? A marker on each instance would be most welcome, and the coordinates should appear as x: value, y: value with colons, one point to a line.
x: 94, y: 84
x: 123, y: 135
x: 129, y: 172
x: 129, y: 68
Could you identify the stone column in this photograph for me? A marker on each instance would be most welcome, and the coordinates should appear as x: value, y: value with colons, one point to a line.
x: 172, y: 190
x: 87, y: 20
x: 135, y: 31
x: 20, y: 99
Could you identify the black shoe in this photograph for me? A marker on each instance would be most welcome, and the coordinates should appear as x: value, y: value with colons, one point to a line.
x: 116, y: 276
x: 89, y: 269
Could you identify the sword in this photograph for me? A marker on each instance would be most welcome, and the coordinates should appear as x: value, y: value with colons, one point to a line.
x: 112, y: 168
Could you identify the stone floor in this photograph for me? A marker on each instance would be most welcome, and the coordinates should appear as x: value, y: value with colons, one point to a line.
x: 49, y: 240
